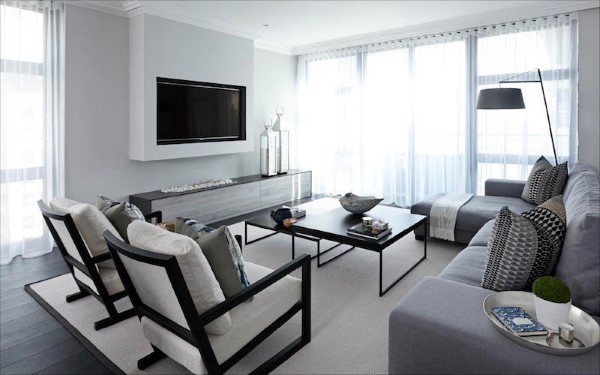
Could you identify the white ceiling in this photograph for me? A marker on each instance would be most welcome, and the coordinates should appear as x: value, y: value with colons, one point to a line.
x: 305, y: 26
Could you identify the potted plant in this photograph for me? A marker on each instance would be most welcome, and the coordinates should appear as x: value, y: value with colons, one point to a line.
x: 552, y: 299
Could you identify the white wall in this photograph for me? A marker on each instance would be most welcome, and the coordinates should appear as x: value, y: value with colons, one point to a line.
x: 97, y: 114
x: 589, y: 87
x: 275, y: 84
x: 170, y: 49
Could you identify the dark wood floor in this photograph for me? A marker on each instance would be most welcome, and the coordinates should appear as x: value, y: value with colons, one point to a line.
x: 31, y: 340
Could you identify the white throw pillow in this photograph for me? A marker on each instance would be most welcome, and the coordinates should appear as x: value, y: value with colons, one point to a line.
x: 199, y: 277
x: 91, y: 223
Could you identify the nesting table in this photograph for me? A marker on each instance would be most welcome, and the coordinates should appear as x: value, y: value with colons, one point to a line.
x: 331, y: 225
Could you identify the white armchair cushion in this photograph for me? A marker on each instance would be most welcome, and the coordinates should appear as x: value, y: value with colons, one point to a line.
x: 91, y: 224
x: 109, y: 276
x: 249, y: 319
x: 199, y: 277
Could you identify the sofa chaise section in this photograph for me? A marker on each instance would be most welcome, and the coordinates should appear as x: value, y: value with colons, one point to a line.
x: 480, y: 209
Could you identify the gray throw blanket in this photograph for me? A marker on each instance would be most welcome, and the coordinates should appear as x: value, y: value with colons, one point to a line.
x: 442, y: 217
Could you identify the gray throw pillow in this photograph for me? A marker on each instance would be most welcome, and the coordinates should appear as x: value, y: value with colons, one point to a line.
x: 523, y: 247
x: 545, y: 181
x: 222, y: 252
x: 120, y: 214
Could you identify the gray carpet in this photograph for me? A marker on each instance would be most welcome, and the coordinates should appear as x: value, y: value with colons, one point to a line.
x: 349, y: 319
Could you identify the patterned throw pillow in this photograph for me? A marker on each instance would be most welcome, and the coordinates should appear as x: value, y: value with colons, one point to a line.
x: 120, y: 214
x: 550, y: 222
x: 190, y: 227
x: 523, y: 247
x: 222, y: 252
x: 545, y: 181
x: 511, y: 253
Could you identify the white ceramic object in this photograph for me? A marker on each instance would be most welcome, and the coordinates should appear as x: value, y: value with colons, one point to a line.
x: 551, y: 314
x: 587, y: 330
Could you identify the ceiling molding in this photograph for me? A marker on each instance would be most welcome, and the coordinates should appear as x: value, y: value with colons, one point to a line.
x: 272, y: 47
x: 112, y: 7
x: 132, y: 8
x: 481, y: 19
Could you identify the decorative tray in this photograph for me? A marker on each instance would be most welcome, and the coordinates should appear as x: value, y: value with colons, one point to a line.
x: 587, y: 331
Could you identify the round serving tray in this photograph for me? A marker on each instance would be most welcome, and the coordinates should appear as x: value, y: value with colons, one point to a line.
x: 587, y: 330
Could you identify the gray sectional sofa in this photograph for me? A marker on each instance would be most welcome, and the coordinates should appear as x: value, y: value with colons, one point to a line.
x: 440, y: 326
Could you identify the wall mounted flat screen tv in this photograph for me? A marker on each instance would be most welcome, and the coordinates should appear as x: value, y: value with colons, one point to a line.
x: 190, y: 112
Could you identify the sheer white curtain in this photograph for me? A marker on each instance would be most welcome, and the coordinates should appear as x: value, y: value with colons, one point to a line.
x: 31, y: 107
x: 398, y: 119
x: 509, y: 142
x: 386, y: 120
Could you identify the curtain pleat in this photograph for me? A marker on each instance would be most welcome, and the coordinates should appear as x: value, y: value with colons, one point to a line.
x: 31, y: 142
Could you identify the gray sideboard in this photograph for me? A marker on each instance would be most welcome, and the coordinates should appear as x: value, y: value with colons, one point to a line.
x: 246, y: 194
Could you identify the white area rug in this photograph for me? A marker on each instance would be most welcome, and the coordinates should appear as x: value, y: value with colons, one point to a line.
x: 349, y: 319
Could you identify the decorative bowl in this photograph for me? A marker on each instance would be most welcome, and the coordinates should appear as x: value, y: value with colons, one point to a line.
x: 358, y: 205
x: 280, y: 214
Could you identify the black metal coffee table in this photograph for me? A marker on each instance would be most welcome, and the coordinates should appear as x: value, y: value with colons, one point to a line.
x: 332, y: 225
x: 266, y: 222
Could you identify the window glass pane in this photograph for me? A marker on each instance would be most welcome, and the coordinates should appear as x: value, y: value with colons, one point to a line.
x: 22, y: 123
x: 20, y: 200
x: 22, y: 36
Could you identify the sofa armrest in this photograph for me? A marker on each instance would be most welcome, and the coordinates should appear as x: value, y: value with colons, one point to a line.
x: 440, y: 327
x: 504, y: 188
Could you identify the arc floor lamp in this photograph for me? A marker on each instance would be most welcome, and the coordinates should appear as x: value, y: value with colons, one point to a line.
x: 512, y: 98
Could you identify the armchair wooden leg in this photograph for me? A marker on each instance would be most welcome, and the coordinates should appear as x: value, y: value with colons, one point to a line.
x: 107, y: 322
x: 75, y: 296
x: 151, y: 358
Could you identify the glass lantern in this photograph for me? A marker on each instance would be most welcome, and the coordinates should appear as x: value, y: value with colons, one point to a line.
x: 268, y: 151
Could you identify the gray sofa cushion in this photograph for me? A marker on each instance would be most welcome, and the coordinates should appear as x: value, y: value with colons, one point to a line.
x: 440, y: 327
x: 579, y: 262
x: 467, y: 267
x: 481, y: 238
x: 475, y: 213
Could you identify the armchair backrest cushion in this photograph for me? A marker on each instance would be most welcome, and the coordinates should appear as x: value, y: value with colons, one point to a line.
x: 90, y: 222
x: 199, y: 277
x: 579, y: 263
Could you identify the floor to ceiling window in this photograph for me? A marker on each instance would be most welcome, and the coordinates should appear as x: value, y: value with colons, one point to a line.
x: 30, y: 119
x: 398, y: 119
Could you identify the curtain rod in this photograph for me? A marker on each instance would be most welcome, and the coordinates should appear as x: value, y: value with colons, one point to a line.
x: 447, y: 33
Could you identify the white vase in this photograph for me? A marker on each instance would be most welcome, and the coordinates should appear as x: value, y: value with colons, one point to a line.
x: 551, y: 314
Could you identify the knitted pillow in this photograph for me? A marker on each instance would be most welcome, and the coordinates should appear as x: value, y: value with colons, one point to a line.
x: 523, y: 247
x: 545, y: 181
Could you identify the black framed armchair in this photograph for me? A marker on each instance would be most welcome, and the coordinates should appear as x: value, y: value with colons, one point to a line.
x: 102, y: 283
x: 174, y: 328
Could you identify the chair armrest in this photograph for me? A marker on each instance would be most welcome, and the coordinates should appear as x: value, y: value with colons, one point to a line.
x: 154, y: 215
x: 101, y: 258
x: 504, y: 188
x: 223, y: 307
x: 238, y: 239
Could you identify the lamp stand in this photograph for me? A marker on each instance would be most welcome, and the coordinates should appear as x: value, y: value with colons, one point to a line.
x: 540, y: 81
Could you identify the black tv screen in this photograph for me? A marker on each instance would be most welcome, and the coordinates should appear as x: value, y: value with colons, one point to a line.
x: 189, y: 112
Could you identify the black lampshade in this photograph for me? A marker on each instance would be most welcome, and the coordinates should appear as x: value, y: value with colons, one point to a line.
x: 500, y: 98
